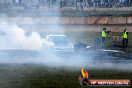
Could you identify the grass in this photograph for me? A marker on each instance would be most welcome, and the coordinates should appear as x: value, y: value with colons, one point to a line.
x: 37, y: 76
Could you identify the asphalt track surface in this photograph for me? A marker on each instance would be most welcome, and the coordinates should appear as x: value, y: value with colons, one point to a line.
x: 80, y: 56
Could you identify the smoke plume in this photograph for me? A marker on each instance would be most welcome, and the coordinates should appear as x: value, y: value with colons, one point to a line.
x: 16, y: 37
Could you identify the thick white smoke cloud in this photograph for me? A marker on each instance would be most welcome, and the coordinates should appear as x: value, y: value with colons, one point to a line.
x: 16, y: 38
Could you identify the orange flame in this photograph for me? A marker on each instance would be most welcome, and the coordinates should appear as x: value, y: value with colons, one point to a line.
x: 84, y: 73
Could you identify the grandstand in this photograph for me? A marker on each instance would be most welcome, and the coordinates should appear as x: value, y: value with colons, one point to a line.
x: 67, y: 3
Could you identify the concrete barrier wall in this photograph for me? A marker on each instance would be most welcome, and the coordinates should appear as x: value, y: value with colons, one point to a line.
x: 75, y: 28
x: 72, y: 20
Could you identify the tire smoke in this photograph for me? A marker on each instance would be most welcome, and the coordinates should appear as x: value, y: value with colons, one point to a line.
x: 16, y: 37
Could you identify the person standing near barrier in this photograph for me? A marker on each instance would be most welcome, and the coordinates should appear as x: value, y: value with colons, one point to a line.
x: 125, y: 39
x: 104, y: 35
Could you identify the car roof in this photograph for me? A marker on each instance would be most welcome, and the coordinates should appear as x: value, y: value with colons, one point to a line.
x: 56, y: 35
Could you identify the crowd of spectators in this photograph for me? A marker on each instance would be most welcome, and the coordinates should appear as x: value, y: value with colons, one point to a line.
x: 91, y: 3
x: 4, y: 4
x: 79, y: 4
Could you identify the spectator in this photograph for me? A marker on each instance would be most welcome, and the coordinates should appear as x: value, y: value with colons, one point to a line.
x: 87, y: 3
x: 93, y: 4
x: 61, y: 3
x: 97, y: 3
x: 53, y: 3
x: 80, y: 5
x: 48, y: 3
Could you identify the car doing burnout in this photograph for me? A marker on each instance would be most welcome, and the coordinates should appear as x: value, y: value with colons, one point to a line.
x: 59, y: 43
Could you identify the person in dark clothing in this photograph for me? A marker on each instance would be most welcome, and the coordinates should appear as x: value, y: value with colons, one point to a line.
x: 53, y: 3
x: 81, y: 4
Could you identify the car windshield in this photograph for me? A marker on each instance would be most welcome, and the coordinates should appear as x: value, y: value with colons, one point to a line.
x: 59, y: 39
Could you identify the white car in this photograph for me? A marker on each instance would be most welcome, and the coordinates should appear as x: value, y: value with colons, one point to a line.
x: 59, y: 43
